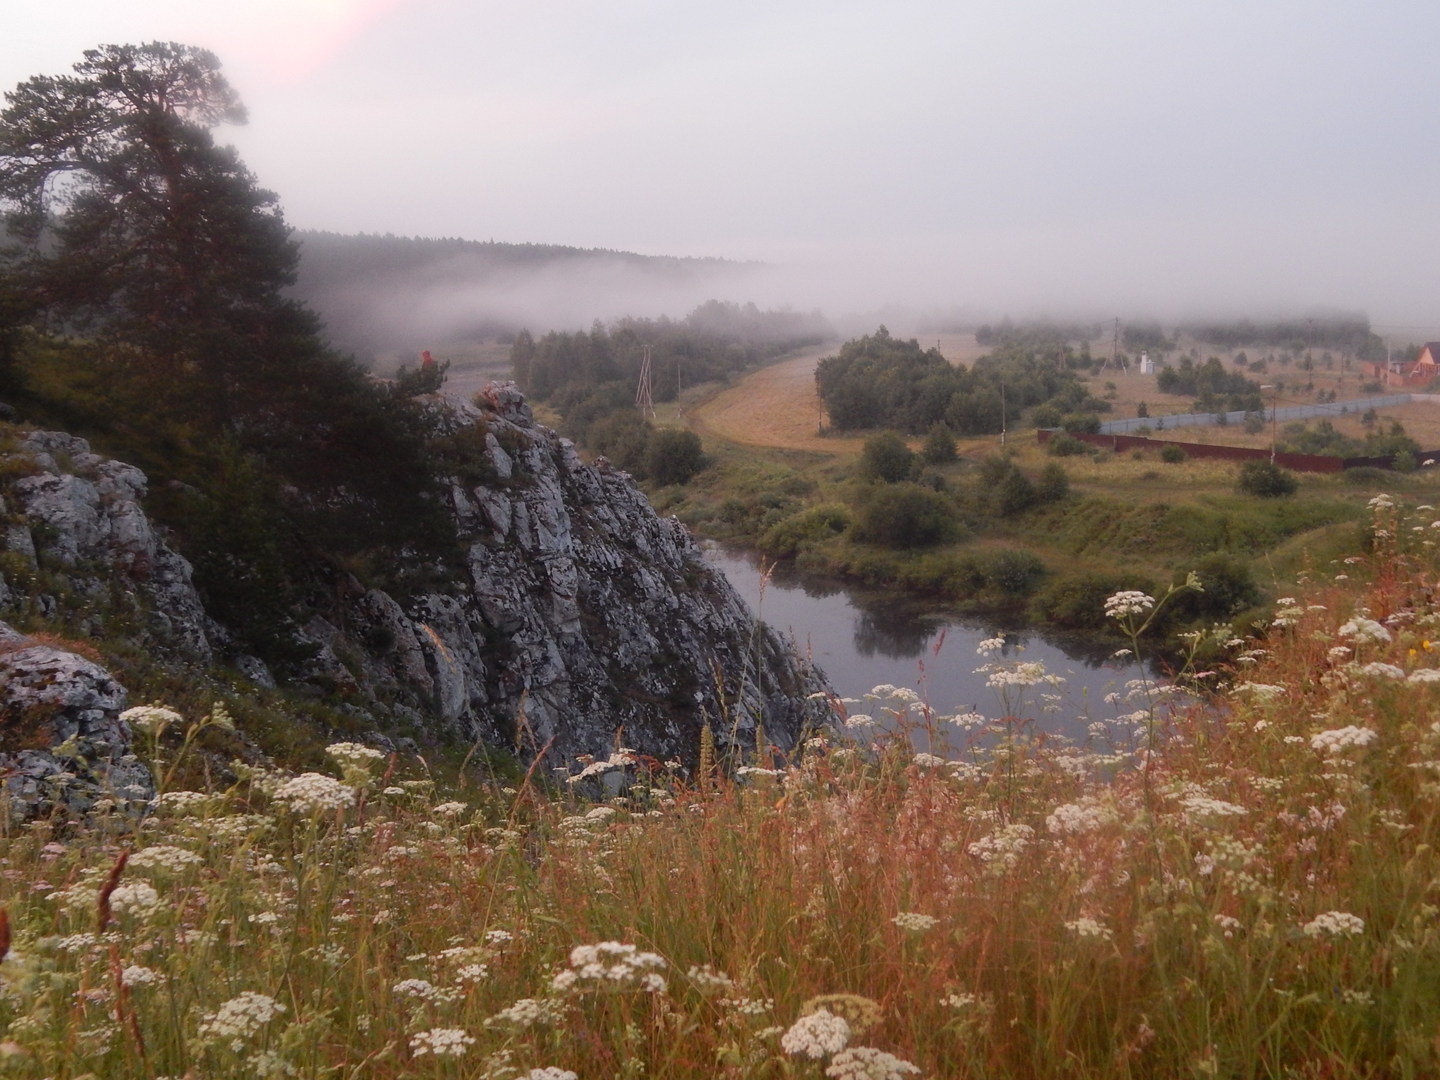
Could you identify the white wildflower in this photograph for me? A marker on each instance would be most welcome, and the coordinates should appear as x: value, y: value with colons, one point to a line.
x: 816, y: 1035
x: 868, y: 1063
x: 138, y: 897
x: 927, y: 761
x: 442, y: 1042
x: 1127, y: 603
x: 152, y: 719
x: 914, y: 920
x: 1002, y: 849
x: 1339, y: 739
x: 312, y: 793
x: 241, y: 1017
x: 1088, y: 928
x: 1336, y: 924
x: 1377, y: 669
x: 1365, y: 631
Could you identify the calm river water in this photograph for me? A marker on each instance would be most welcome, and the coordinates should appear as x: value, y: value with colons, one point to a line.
x: 863, y: 638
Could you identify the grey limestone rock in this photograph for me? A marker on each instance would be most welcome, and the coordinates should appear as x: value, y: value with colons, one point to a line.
x: 63, y: 745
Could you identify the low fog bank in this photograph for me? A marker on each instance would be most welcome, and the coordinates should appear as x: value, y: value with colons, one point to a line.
x: 379, y: 296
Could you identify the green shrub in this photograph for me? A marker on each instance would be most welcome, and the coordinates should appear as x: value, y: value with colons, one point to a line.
x: 673, y: 456
x: 1046, y: 416
x: 1065, y: 445
x: 886, y: 458
x: 904, y: 516
x: 1172, y: 454
x: 1054, y: 483
x: 1077, y: 601
x: 810, y: 526
x: 939, y: 448
x: 1012, y: 573
x: 1081, y: 423
x: 1266, y: 480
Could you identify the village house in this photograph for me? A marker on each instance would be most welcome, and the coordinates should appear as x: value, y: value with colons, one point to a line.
x: 1419, y: 372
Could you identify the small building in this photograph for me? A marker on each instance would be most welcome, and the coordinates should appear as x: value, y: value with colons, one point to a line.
x: 1147, y: 366
x: 1421, y: 371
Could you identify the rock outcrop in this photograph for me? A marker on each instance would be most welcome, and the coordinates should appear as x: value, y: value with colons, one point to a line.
x: 584, y: 620
x: 64, y: 750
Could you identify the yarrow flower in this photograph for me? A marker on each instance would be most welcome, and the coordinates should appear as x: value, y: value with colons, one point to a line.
x: 1336, y: 924
x: 1339, y: 739
x: 442, y: 1042
x: 816, y: 1035
x: 312, y: 793
x: 927, y: 761
x: 550, y: 1072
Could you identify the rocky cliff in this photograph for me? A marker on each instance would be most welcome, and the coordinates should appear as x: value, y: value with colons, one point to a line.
x: 582, y: 620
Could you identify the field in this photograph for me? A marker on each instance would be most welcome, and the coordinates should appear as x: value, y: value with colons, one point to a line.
x: 778, y: 407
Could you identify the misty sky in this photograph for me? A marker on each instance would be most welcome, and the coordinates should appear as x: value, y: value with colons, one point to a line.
x: 1114, y: 157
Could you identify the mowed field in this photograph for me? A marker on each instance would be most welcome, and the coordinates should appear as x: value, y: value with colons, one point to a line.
x: 778, y: 407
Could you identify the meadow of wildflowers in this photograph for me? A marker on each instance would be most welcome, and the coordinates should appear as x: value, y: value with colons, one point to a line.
x: 1242, y: 885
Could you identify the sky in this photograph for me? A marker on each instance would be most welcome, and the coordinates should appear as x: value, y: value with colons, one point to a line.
x: 1119, y: 157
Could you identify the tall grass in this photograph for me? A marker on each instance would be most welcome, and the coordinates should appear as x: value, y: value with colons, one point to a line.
x: 1245, y: 887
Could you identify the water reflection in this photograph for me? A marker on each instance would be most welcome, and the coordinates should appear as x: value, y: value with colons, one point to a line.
x: 894, y: 634
x: 862, y: 638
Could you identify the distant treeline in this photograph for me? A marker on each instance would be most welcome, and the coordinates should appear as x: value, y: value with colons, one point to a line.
x: 591, y: 378
x: 1035, y: 334
x: 715, y: 341
x: 328, y: 258
x: 879, y: 381
x: 1350, y: 333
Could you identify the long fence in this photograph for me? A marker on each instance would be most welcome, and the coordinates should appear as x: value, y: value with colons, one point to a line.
x: 1284, y: 412
x: 1320, y: 463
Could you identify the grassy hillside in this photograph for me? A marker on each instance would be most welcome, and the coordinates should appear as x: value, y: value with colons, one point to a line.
x: 1239, y: 887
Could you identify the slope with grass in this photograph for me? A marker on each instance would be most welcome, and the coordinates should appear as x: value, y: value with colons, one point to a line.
x: 1242, y: 887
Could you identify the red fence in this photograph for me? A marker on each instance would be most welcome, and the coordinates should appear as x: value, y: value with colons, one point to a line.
x: 1299, y: 462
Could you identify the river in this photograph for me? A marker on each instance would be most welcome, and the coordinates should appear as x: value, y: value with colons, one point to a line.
x: 862, y: 638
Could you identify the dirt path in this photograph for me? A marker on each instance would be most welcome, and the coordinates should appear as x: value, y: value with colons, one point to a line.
x: 778, y: 407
